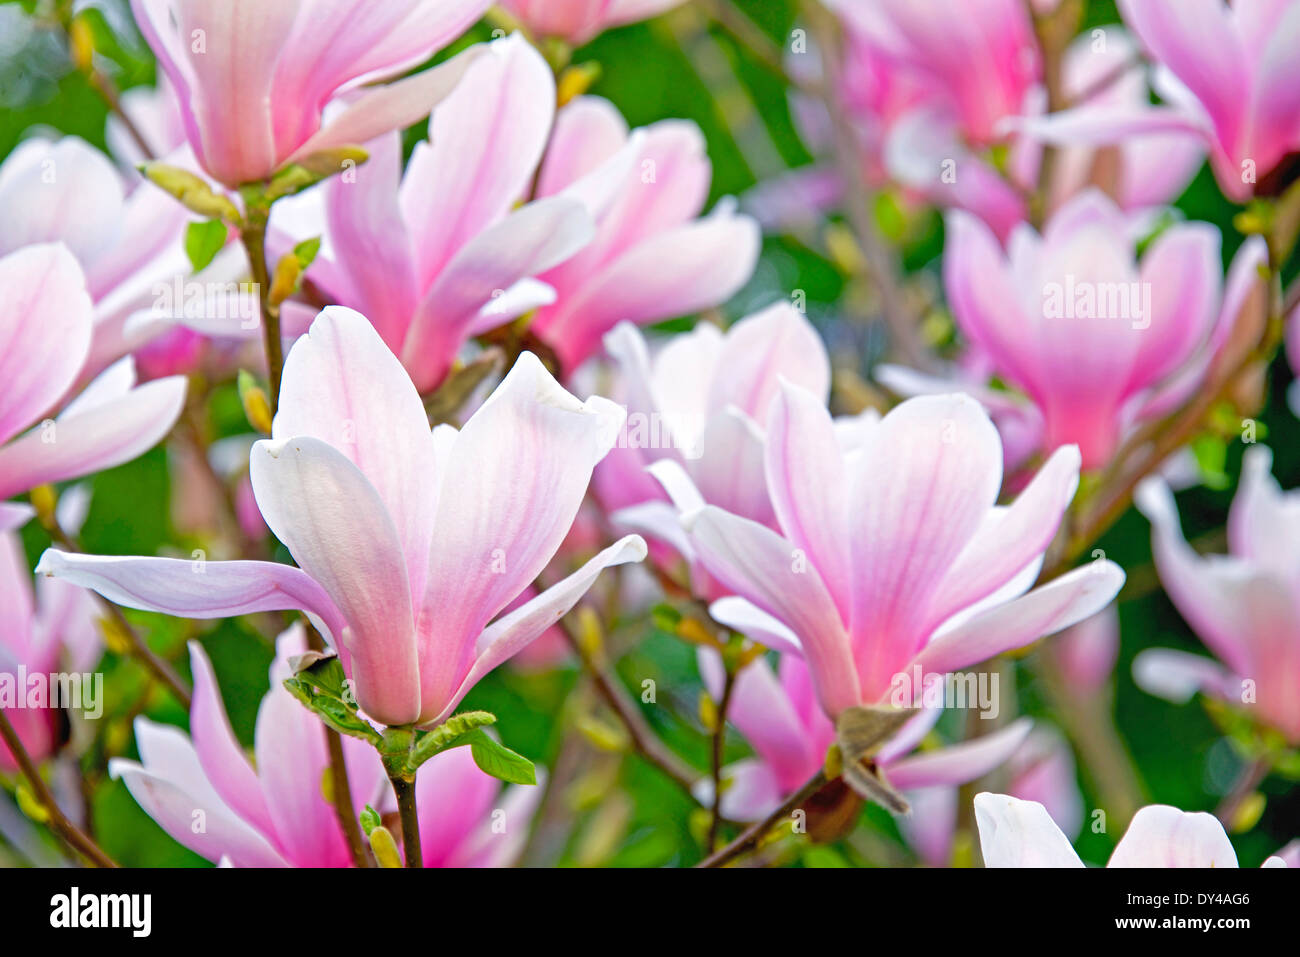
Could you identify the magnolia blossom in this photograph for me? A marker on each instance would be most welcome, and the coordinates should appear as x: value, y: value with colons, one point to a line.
x: 778, y: 713
x: 892, y: 553
x: 51, y: 632
x: 980, y: 59
x: 651, y: 259
x: 1228, y: 71
x: 1095, y: 338
x: 1242, y: 605
x: 1016, y: 833
x: 46, y: 328
x: 272, y: 812
x: 125, y: 236
x: 1101, y: 76
x: 700, y: 402
x: 577, y: 21
x: 253, y: 78
x: 409, y: 542
x: 441, y: 253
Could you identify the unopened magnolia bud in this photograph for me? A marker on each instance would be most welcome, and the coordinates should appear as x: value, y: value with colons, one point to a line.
x: 44, y: 499
x: 384, y: 847
x: 287, y: 273
x: 575, y: 81
x: 191, y: 191
x: 81, y: 44
x: 256, y: 405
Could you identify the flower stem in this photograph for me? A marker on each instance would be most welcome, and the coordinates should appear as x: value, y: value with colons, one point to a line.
x: 405, y: 791
x: 252, y: 233
x: 715, y: 767
x: 753, y: 835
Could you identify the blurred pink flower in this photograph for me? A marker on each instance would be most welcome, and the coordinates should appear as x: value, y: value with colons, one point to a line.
x: 272, y: 812
x: 1242, y: 605
x: 253, y: 78
x: 977, y: 60
x: 651, y: 259
x: 779, y: 715
x: 441, y: 253
x: 1150, y: 169
x: 1096, y: 339
x: 1016, y: 833
x: 577, y: 21
x: 126, y: 237
x: 46, y: 327
x: 1229, y: 72
x: 454, y: 524
x: 1042, y: 770
x: 893, y: 553
x: 53, y: 631
x: 701, y: 402
x: 1087, y: 652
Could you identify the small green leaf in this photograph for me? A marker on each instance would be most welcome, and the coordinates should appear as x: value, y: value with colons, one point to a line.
x: 203, y: 241
x: 333, y: 710
x: 447, y: 735
x: 496, y: 759
x: 306, y: 251
x: 370, y: 820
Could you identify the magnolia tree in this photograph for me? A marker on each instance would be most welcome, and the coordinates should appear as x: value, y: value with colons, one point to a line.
x: 649, y: 432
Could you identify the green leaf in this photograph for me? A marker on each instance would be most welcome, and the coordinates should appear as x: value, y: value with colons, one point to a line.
x: 203, y: 241
x: 496, y: 759
x: 447, y: 735
x: 305, y: 252
x: 334, y: 709
x: 370, y: 820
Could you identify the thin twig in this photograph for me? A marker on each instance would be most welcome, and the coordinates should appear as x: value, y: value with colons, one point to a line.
x: 753, y: 835
x: 253, y: 235
x: 341, y: 789
x: 406, y: 809
x: 715, y: 766
x: 73, y: 836
x: 639, y: 731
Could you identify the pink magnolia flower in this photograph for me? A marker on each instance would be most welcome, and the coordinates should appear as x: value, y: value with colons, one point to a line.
x: 441, y: 253
x: 1016, y: 833
x: 409, y: 542
x: 1231, y: 72
x: 979, y: 59
x: 1042, y: 769
x: 577, y: 21
x: 1149, y: 169
x: 651, y: 259
x: 46, y: 327
x: 700, y: 402
x: 892, y: 553
x: 272, y: 812
x: 53, y: 631
x: 779, y: 714
x: 253, y: 78
x: 1095, y: 338
x: 1242, y: 605
x: 126, y: 237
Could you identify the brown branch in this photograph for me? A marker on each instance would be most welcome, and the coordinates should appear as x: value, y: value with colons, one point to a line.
x: 753, y: 835
x: 715, y: 765
x: 72, y: 836
x: 644, y: 740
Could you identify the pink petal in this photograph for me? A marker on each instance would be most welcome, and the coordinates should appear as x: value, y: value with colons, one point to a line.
x: 959, y: 763
x: 1047, y: 609
x: 514, y: 479
x: 343, y: 386
x: 769, y: 571
x: 195, y: 589
x: 1163, y: 836
x: 325, y: 510
x: 45, y: 328
x: 514, y: 631
x: 1016, y: 833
